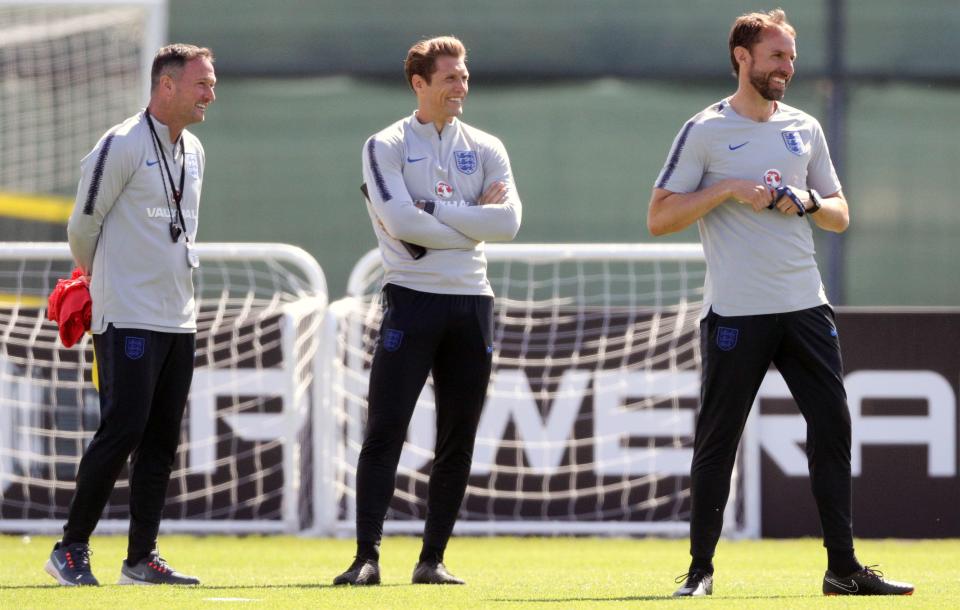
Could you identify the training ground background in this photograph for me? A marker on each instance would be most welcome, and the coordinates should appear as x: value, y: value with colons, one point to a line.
x: 587, y: 97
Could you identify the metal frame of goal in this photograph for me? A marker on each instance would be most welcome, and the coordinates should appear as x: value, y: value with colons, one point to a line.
x: 246, y: 457
x: 587, y: 428
x: 588, y: 423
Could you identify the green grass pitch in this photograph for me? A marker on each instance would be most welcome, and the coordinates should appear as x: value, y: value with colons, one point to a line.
x: 508, y: 573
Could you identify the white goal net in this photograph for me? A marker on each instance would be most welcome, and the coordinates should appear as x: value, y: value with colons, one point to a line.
x: 246, y: 457
x: 589, y: 418
x: 69, y: 70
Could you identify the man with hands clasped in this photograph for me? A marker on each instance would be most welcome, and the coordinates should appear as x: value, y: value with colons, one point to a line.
x: 750, y: 170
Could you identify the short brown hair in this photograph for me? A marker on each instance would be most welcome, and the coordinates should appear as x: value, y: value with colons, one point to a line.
x: 422, y: 56
x: 748, y: 29
x: 171, y: 59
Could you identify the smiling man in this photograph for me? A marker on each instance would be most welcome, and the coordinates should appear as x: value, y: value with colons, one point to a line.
x: 437, y: 190
x: 752, y: 172
x: 132, y: 232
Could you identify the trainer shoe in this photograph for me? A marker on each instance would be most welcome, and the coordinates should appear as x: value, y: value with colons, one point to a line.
x: 361, y: 572
x: 70, y: 565
x: 431, y: 573
x: 695, y: 583
x: 867, y: 581
x: 153, y: 570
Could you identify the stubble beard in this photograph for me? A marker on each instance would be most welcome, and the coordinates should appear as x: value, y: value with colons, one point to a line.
x: 761, y: 82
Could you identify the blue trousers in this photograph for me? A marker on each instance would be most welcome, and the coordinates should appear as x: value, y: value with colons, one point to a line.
x: 450, y: 335
x: 737, y: 351
x: 144, y: 381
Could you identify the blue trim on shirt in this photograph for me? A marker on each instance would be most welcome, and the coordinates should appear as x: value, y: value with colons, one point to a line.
x: 377, y: 174
x: 97, y: 177
x: 675, y: 155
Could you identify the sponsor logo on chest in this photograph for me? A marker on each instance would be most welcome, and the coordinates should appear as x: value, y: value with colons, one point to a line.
x: 443, y: 189
x: 169, y: 213
x: 773, y: 178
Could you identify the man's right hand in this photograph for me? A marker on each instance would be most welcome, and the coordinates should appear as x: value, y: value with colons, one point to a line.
x: 749, y: 193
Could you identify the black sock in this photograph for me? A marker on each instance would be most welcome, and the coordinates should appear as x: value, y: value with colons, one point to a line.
x: 702, y: 563
x: 368, y: 550
x: 431, y: 554
x: 842, y: 563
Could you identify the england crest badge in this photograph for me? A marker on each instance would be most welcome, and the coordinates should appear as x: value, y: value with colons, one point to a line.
x: 794, y: 142
x: 193, y: 166
x: 134, y: 347
x: 727, y: 338
x: 466, y: 161
x: 392, y: 338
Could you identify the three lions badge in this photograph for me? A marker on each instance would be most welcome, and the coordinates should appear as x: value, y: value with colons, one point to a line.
x: 392, y: 338
x: 134, y: 347
x: 727, y: 338
x: 466, y: 161
x: 794, y: 142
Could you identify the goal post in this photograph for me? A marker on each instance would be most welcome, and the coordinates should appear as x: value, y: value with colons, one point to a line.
x: 246, y: 460
x: 53, y: 19
x: 589, y: 419
x: 69, y: 70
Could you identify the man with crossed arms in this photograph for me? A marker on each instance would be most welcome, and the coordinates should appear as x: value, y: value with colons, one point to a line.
x: 437, y: 189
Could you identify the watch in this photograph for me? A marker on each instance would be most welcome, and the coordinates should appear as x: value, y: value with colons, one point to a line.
x: 814, y: 202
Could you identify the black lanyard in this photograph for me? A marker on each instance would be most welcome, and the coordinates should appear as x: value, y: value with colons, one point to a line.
x: 175, y: 229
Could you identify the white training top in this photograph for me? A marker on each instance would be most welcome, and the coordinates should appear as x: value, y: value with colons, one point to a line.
x: 757, y: 263
x: 119, y: 230
x: 449, y: 171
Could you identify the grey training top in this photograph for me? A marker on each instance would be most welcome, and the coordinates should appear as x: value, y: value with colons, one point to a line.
x: 119, y: 230
x: 757, y: 263
x: 409, y: 161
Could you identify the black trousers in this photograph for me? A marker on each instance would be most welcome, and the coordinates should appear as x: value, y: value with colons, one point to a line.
x: 421, y: 332
x: 737, y: 351
x: 144, y: 381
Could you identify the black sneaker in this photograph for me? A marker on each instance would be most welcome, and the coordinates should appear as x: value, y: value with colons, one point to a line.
x: 153, y: 570
x: 361, y: 572
x: 70, y: 565
x: 695, y: 583
x: 865, y: 582
x: 431, y: 573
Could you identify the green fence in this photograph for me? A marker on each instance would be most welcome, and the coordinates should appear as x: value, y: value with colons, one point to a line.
x: 556, y: 38
x: 587, y: 96
x: 284, y: 165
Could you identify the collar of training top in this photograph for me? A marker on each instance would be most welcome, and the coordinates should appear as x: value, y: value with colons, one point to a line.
x: 429, y: 130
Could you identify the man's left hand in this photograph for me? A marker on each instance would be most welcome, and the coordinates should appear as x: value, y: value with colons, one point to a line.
x: 495, y: 193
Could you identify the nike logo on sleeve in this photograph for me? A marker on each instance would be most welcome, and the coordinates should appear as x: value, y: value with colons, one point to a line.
x: 151, y: 163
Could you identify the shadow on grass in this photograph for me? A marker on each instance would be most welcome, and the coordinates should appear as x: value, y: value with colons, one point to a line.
x: 211, y: 587
x: 307, y: 586
x: 634, y: 598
